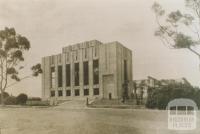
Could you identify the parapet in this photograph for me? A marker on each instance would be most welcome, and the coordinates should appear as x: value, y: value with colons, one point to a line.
x: 81, y: 45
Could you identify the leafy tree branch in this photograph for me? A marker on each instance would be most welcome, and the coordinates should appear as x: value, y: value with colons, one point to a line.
x: 179, y: 30
x: 12, y: 49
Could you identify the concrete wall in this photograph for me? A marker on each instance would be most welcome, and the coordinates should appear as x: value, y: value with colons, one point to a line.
x: 111, y: 69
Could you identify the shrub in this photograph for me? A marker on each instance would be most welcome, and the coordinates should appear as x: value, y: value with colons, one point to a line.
x: 159, y: 98
x: 34, y: 99
x: 21, y: 99
x: 37, y: 103
x: 5, y: 95
x: 11, y: 100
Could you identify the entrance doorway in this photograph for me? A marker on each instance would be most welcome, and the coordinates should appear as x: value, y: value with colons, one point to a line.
x: 110, y: 96
x: 108, y: 86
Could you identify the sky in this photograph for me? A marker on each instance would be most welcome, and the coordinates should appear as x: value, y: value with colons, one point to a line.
x: 50, y: 25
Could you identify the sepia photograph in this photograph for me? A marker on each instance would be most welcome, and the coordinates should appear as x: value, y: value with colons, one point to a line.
x: 99, y: 66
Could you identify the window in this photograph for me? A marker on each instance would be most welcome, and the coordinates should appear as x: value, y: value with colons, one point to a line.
x: 68, y: 92
x: 85, y: 73
x: 85, y: 52
x: 75, y: 55
x: 76, y: 74
x: 77, y: 93
x: 52, y: 60
x: 95, y: 51
x: 52, y: 77
x: 60, y: 76
x: 181, y: 110
x: 60, y: 93
x: 172, y: 110
x: 59, y: 58
x: 86, y: 92
x: 52, y: 93
x: 125, y: 71
x: 96, y: 91
x: 67, y: 57
x: 190, y: 110
x: 68, y: 75
x: 96, y: 71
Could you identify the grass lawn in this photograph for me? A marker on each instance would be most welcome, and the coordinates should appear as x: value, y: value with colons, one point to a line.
x: 58, y: 120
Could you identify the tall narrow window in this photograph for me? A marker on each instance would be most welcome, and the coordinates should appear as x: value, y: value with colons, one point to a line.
x: 76, y: 55
x: 59, y: 58
x: 68, y: 75
x: 52, y: 77
x: 60, y: 76
x: 52, y: 60
x: 76, y: 74
x: 86, y: 73
x: 85, y: 53
x: 96, y: 71
x: 95, y: 51
x: 125, y: 71
x: 67, y: 57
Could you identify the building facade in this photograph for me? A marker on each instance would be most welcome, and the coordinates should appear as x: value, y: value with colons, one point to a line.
x: 142, y: 86
x: 89, y: 69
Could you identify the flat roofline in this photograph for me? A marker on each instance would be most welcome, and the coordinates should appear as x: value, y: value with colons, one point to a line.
x: 84, y: 42
x: 118, y: 43
x: 74, y: 44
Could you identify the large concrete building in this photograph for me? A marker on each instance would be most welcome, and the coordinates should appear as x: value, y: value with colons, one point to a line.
x: 89, y: 69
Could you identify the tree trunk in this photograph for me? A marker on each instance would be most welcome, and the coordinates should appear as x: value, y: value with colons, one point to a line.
x: 136, y: 97
x: 2, y: 98
x: 135, y: 93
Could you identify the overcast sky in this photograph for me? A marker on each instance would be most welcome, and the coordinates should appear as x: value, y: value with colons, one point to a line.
x: 51, y: 25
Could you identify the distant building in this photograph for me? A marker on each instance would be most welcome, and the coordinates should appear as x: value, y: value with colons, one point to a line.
x: 89, y: 69
x: 143, y: 85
